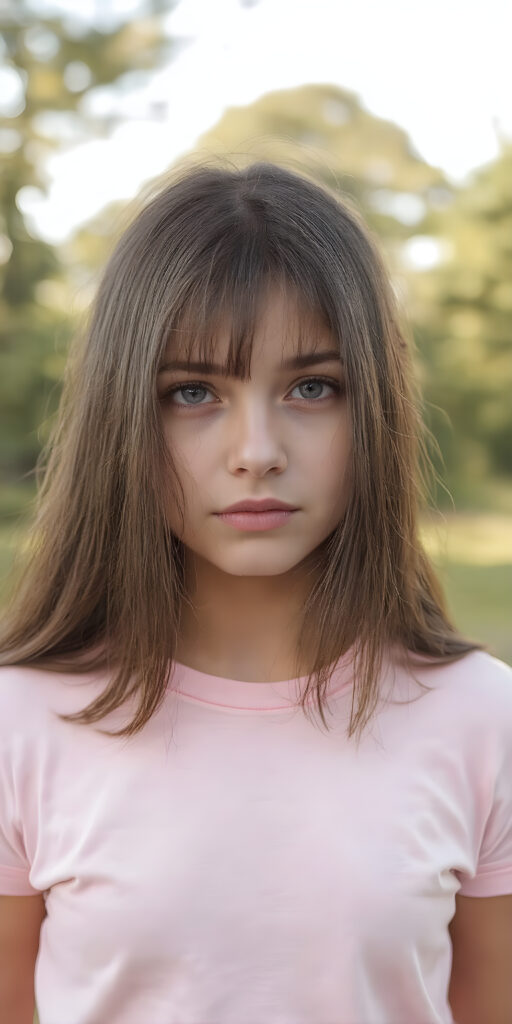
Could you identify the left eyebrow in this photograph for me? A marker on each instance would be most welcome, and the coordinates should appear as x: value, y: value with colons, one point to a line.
x: 296, y: 362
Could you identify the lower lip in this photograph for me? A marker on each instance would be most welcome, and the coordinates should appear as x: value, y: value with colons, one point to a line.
x: 257, y: 520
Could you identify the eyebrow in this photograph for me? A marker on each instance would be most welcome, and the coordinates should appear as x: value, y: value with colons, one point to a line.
x: 296, y: 362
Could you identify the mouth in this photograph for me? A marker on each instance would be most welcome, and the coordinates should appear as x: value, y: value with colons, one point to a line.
x: 264, y: 505
x: 251, y: 521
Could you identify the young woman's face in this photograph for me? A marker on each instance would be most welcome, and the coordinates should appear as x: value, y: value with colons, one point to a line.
x: 279, y: 435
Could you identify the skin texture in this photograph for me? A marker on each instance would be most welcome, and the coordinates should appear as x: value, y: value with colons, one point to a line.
x: 21, y: 918
x: 481, y: 979
x: 254, y: 439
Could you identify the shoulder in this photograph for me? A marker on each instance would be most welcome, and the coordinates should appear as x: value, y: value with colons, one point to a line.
x: 30, y: 696
x: 33, y: 699
x: 475, y: 689
x: 486, y: 686
x: 476, y: 675
x: 24, y: 703
x: 18, y: 684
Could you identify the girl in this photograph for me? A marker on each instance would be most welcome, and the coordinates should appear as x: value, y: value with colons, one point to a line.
x: 250, y: 773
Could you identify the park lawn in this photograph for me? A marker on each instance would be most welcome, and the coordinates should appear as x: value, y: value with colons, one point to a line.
x: 480, y: 601
x: 473, y: 556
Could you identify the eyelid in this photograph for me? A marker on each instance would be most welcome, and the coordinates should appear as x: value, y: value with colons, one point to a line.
x: 338, y: 387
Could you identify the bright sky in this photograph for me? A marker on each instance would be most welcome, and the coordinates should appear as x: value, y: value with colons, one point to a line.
x: 441, y: 70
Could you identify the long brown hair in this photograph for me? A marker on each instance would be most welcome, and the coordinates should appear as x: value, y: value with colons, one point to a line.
x: 101, y: 584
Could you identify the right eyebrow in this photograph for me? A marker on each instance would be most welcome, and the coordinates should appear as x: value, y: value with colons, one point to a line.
x: 296, y: 362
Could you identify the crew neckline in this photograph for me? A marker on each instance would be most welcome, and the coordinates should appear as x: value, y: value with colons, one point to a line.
x: 257, y: 696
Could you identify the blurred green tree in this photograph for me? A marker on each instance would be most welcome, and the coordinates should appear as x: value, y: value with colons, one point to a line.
x: 462, y: 309
x: 326, y: 131
x: 50, y: 65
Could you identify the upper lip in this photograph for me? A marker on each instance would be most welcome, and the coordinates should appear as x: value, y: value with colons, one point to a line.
x: 260, y: 505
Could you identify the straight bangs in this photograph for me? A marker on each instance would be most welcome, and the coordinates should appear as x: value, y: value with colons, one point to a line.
x: 229, y: 306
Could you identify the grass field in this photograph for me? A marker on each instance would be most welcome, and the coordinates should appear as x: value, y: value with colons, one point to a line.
x: 473, y: 556
x: 472, y: 553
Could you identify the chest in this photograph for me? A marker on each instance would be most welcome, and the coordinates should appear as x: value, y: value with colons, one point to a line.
x: 236, y: 834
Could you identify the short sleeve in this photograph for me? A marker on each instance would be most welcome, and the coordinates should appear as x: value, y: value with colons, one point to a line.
x: 14, y: 864
x: 494, y: 870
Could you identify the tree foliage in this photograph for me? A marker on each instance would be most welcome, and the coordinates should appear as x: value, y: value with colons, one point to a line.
x: 49, y: 67
x: 463, y: 313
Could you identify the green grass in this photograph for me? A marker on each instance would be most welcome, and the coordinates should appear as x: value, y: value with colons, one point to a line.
x: 480, y: 600
x: 473, y: 555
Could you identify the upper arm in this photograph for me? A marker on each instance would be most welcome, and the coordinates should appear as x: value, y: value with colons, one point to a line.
x: 20, y: 923
x: 481, y: 978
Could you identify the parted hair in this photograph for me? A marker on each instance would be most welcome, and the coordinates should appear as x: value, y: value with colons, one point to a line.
x: 100, y: 583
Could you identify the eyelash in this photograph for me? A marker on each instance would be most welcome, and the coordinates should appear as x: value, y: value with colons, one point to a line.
x: 200, y: 384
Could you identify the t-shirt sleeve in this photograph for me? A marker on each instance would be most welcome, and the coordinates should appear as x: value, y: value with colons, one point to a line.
x: 494, y: 870
x: 14, y: 864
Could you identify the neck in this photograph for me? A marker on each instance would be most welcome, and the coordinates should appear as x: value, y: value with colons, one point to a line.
x: 241, y: 627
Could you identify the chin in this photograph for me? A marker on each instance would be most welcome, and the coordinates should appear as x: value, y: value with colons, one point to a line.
x: 270, y: 566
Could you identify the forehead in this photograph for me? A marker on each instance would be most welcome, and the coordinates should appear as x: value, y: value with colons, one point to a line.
x: 280, y: 325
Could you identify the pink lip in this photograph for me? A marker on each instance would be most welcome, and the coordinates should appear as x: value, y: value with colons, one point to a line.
x: 252, y: 522
x: 263, y: 505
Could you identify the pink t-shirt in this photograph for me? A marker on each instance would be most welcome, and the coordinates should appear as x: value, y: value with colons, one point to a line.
x: 236, y: 864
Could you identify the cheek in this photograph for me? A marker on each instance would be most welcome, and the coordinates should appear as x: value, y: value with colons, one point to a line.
x: 334, y: 471
x: 194, y: 460
x: 185, y: 458
x: 189, y: 455
x: 331, y: 456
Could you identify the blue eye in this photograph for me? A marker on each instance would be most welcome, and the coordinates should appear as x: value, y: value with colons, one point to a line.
x: 317, y: 382
x: 193, y: 387
x: 183, y: 388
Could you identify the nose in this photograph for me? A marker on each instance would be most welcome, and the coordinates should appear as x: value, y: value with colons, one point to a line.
x: 256, y: 445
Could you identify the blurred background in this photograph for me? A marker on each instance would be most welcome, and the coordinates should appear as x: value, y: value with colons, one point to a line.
x: 403, y: 108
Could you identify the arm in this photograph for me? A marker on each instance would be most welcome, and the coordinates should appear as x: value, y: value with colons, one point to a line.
x: 20, y: 923
x: 481, y: 979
